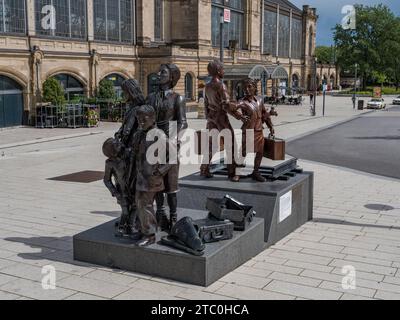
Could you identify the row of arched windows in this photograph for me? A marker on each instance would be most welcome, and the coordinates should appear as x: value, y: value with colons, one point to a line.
x: 73, y: 87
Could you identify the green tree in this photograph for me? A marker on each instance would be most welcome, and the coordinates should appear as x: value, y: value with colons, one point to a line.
x: 106, y: 90
x: 324, y: 54
x: 379, y: 77
x: 368, y: 45
x: 53, y: 92
x: 391, y: 54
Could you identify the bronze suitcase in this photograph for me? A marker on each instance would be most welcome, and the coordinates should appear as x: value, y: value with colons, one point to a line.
x: 274, y: 149
x: 212, y: 230
x: 229, y: 208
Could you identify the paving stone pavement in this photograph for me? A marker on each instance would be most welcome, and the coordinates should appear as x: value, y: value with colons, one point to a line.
x: 357, y: 224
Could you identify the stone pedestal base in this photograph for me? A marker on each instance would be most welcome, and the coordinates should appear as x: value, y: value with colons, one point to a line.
x: 284, y: 205
x: 100, y: 246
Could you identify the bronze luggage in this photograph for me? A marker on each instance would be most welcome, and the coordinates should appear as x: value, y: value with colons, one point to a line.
x: 229, y: 208
x: 212, y: 230
x: 274, y: 149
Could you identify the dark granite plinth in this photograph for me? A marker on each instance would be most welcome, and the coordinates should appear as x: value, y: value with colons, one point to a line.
x: 264, y: 197
x: 99, y: 246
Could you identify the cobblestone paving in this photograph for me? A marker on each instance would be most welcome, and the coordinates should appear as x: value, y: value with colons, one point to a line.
x: 357, y: 223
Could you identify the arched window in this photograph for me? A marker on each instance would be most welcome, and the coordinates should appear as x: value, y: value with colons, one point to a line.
x: 310, y: 41
x: 72, y: 86
x: 188, y: 86
x: 11, y: 102
x: 117, y: 82
x: 152, y: 83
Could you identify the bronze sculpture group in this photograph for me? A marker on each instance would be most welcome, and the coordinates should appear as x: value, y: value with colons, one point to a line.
x: 253, y: 114
x: 137, y: 184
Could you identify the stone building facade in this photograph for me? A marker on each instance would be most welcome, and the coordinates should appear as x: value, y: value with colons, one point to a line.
x: 80, y: 42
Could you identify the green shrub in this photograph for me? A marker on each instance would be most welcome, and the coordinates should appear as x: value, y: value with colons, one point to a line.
x: 53, y: 92
x: 106, y: 90
x: 370, y: 90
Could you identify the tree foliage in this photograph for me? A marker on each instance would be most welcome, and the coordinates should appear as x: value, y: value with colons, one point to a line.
x: 324, y: 54
x: 374, y: 45
x: 53, y: 92
x: 106, y: 90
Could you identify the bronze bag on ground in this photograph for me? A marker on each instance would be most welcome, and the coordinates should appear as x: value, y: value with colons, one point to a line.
x: 274, y: 149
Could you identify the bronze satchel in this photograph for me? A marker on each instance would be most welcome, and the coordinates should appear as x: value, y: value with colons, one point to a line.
x: 274, y: 149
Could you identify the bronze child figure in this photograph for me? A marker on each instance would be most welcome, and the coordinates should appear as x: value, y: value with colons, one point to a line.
x: 252, y: 107
x: 134, y: 98
x: 117, y: 183
x: 170, y: 107
x: 217, y: 108
x: 149, y: 176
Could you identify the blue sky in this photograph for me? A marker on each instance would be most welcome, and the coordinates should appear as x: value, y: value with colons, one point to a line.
x: 329, y: 12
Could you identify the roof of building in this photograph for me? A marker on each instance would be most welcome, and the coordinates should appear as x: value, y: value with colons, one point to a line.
x: 286, y: 4
x: 244, y: 71
x: 238, y: 72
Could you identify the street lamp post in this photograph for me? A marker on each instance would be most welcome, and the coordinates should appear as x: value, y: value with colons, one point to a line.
x: 315, y: 88
x: 221, y: 38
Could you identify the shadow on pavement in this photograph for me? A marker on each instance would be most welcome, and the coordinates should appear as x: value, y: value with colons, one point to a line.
x: 56, y: 249
x: 113, y: 214
x: 379, y: 207
x: 377, y: 138
x: 343, y: 222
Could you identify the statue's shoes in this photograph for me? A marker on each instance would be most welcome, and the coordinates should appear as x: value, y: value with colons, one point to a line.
x: 136, y: 236
x: 258, y: 177
x: 146, y: 241
x: 207, y: 175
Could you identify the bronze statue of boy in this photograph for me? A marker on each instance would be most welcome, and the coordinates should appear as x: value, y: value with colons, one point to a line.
x: 149, y: 176
x: 117, y: 183
x: 170, y: 107
x: 217, y: 107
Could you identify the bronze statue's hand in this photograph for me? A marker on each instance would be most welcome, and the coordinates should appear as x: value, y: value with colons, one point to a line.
x: 273, y: 112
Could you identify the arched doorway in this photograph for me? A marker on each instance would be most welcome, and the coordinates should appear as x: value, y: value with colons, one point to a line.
x: 331, y: 82
x: 318, y: 82
x: 11, y: 102
x: 239, y: 92
x: 73, y: 88
x: 189, y: 86
x: 295, y: 83
x: 117, y: 80
x: 309, y: 83
x: 152, y: 83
